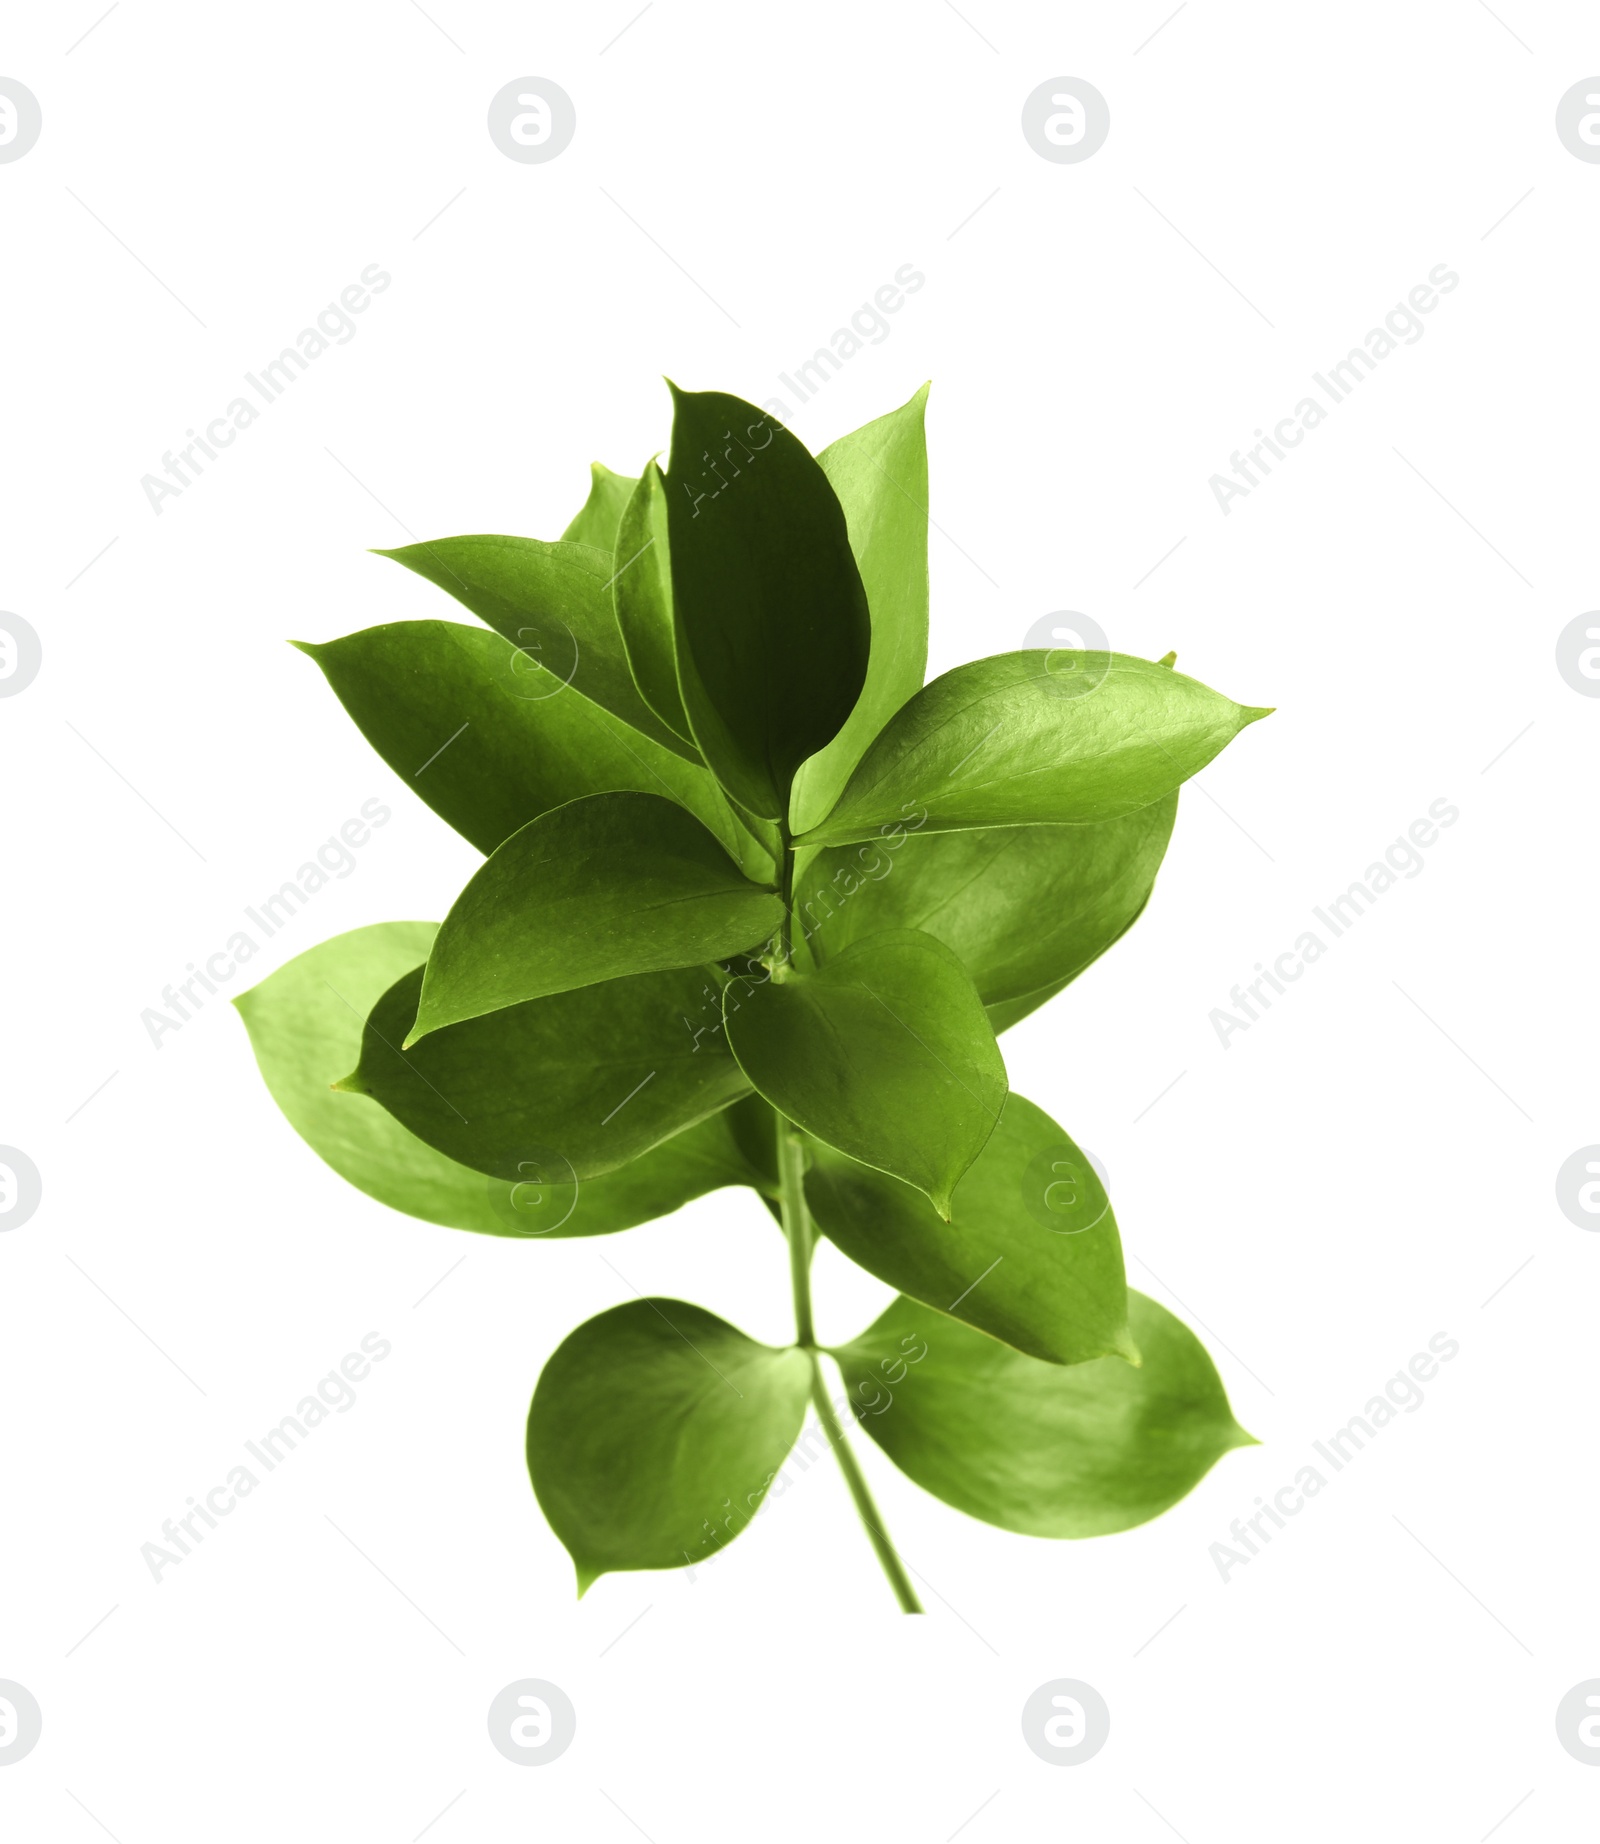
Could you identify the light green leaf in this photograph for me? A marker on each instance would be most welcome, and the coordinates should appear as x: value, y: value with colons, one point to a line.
x: 591, y: 1078
x: 553, y: 601
x: 643, y: 596
x: 1030, y: 1254
x: 884, y: 1053
x: 597, y: 520
x: 1035, y: 738
x: 880, y: 474
x: 605, y: 886
x: 655, y: 1430
x: 1023, y: 907
x: 490, y: 739
x: 1048, y: 1450
x: 771, y: 619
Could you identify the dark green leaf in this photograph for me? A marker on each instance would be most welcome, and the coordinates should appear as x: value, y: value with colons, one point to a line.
x: 884, y: 1053
x: 553, y: 601
x: 654, y: 1433
x: 593, y: 1078
x: 1024, y: 907
x: 489, y: 739
x: 643, y: 596
x: 1030, y: 1253
x: 305, y: 1023
x: 605, y: 886
x: 1035, y: 738
x: 597, y: 521
x: 880, y: 474
x: 772, y: 624
x: 1048, y: 1450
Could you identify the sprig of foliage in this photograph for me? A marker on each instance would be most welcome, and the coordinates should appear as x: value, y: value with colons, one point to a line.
x: 755, y: 903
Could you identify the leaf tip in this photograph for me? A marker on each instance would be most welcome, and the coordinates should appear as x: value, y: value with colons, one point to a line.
x: 1123, y: 1346
x: 1168, y: 659
x: 351, y: 1084
x: 1253, y: 713
x: 587, y: 1576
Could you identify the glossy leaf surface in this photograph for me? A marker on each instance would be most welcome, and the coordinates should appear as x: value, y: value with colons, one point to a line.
x: 1030, y: 1254
x: 884, y: 1053
x: 591, y: 1078
x: 1035, y: 738
x: 1048, y: 1450
x: 771, y: 618
x: 605, y: 886
x: 654, y: 1433
x: 553, y: 601
x: 489, y: 738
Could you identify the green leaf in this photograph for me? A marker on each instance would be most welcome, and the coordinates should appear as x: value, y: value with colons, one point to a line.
x: 884, y: 1053
x: 1035, y: 738
x: 772, y: 624
x: 305, y: 1023
x: 1023, y: 907
x: 655, y: 1430
x: 491, y: 740
x: 593, y: 1078
x: 605, y: 886
x: 1030, y: 1254
x: 601, y: 513
x: 553, y: 601
x: 880, y: 474
x: 643, y: 596
x: 1044, y: 1449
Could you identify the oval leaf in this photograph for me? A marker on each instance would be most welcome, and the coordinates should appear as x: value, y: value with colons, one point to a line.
x: 771, y: 618
x: 305, y: 1023
x: 606, y: 886
x: 1023, y: 907
x: 884, y: 1053
x: 880, y: 474
x: 1030, y: 1254
x: 1035, y: 738
x: 489, y: 738
x: 591, y: 1078
x: 1044, y: 1449
x: 553, y: 601
x: 654, y: 1433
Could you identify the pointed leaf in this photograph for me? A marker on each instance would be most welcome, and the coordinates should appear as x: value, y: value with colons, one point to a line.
x: 305, y: 1024
x: 490, y: 739
x: 885, y: 1053
x: 772, y: 624
x: 553, y: 601
x: 591, y: 1078
x: 1030, y: 1254
x: 605, y: 886
x: 1048, y: 1450
x: 1023, y: 907
x: 643, y: 596
x: 1035, y: 738
x: 880, y: 474
x: 597, y: 520
x: 654, y: 1433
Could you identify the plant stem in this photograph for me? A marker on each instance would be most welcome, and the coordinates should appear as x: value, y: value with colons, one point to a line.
x: 797, y: 1227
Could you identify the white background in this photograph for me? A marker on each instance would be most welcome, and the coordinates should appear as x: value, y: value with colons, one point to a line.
x: 1364, y: 1168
